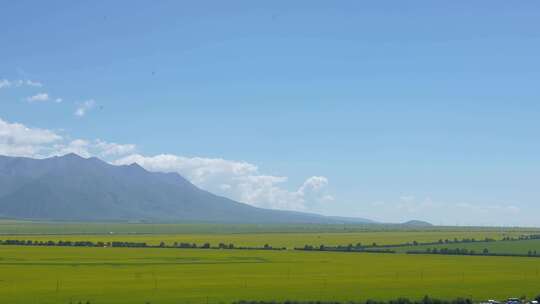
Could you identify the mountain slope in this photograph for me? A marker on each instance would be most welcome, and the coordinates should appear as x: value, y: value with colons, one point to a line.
x: 74, y: 188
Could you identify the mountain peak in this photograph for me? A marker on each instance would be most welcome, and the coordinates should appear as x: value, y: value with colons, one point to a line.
x: 71, y: 155
x: 135, y: 165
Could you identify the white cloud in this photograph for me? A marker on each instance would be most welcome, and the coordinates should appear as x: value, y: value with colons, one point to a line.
x: 84, y: 107
x: 19, y: 140
x: 6, y: 83
x: 34, y: 83
x: 38, y: 97
x: 113, y: 149
x: 99, y: 148
x: 238, y: 180
x: 314, y: 183
x: 42, y: 97
x: 78, y: 146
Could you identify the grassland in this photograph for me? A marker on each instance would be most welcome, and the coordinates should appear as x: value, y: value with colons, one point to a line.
x: 128, y: 275
x: 166, y: 275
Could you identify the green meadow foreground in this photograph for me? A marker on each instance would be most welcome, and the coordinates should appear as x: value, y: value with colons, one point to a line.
x: 156, y: 275
x: 42, y: 274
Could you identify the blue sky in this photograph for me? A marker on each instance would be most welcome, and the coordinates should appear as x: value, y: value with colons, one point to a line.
x: 390, y: 110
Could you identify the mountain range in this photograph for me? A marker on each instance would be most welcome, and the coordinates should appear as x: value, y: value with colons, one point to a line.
x: 74, y: 188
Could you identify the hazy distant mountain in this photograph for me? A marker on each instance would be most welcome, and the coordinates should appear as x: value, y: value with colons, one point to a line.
x: 417, y: 223
x: 74, y: 188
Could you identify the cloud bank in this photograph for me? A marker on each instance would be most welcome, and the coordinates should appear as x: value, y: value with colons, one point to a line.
x: 241, y: 181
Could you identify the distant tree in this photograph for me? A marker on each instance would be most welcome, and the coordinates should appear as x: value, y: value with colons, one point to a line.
x: 426, y: 300
x: 462, y: 301
x: 485, y: 251
x: 400, y: 301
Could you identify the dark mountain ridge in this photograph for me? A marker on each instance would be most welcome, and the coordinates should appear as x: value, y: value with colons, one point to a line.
x: 73, y: 188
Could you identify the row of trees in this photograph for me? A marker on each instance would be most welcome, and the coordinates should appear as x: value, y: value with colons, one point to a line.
x: 349, y: 248
x: 424, y: 300
x: 366, y: 247
x: 465, y: 251
x: 132, y: 245
x: 522, y: 237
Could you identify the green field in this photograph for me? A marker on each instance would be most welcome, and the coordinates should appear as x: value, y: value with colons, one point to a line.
x: 123, y: 275
x: 31, y: 274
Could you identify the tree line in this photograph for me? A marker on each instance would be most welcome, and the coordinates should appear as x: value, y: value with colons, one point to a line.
x: 522, y: 237
x: 348, y: 248
x: 424, y: 300
x: 465, y: 251
x: 402, y: 300
x: 182, y: 245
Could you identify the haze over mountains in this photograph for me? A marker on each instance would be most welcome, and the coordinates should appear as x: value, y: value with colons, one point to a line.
x: 88, y: 189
